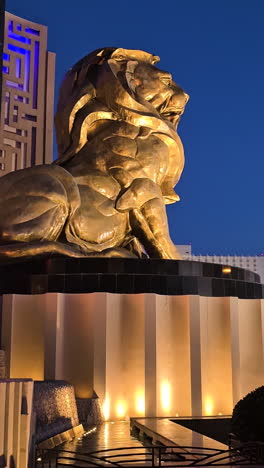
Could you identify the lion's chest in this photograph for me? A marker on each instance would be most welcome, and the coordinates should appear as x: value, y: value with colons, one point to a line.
x: 143, y: 157
x: 122, y: 153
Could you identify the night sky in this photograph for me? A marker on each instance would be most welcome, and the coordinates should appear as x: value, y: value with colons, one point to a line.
x: 215, y: 51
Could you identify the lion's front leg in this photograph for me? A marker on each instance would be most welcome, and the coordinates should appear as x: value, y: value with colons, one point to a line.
x: 150, y: 225
x: 148, y: 218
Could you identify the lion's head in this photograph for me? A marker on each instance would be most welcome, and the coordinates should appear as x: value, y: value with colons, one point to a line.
x: 116, y: 84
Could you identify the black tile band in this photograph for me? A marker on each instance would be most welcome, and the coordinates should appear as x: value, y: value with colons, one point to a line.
x: 128, y: 276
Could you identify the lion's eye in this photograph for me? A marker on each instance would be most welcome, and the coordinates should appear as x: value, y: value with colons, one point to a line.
x: 166, y: 79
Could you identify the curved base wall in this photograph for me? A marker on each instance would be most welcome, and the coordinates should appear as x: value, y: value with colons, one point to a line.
x: 143, y: 354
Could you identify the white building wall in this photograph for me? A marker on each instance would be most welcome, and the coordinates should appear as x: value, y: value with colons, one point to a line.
x: 253, y: 263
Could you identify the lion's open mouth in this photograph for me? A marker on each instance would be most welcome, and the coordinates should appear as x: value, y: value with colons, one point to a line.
x: 171, y: 112
x: 173, y: 115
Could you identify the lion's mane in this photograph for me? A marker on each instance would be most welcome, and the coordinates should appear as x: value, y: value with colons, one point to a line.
x: 85, y: 99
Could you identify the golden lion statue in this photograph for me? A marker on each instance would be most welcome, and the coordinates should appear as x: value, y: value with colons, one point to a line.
x: 119, y: 159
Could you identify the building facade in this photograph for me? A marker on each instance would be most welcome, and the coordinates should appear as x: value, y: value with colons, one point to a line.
x: 26, y: 126
x: 249, y: 262
x: 2, y: 24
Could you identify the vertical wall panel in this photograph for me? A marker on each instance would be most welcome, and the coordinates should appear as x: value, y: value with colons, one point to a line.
x: 195, y: 353
x: 133, y: 352
x: 216, y: 356
x: 23, y: 335
x: 78, y: 343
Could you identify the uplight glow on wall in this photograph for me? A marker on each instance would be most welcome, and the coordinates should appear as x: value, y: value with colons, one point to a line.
x: 140, y: 403
x: 121, y: 409
x: 209, y: 406
x: 165, y: 392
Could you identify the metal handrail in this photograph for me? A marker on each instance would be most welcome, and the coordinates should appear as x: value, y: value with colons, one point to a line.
x: 153, y: 456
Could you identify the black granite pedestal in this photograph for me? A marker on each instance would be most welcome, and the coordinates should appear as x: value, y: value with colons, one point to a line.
x: 128, y: 276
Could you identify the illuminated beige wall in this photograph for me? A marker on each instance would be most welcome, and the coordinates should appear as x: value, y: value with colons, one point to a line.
x: 216, y: 356
x: 133, y: 352
x: 172, y: 355
x: 167, y: 355
x: 180, y: 354
x: 23, y: 335
x: 77, y: 347
x: 119, y: 354
x: 110, y: 378
x: 247, y: 345
x: 15, y: 427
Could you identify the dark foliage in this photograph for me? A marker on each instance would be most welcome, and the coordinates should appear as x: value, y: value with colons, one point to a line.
x: 248, y: 417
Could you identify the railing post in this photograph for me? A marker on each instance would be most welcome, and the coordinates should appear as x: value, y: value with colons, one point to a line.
x: 156, y: 459
x: 159, y: 452
x: 152, y: 456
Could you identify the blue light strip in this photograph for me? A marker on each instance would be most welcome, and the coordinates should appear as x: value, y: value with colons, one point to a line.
x: 14, y: 85
x: 25, y: 40
x: 16, y: 49
x: 32, y: 31
x: 26, y: 54
x: 18, y: 67
x: 36, y: 77
x: 27, y: 71
x: 15, y: 36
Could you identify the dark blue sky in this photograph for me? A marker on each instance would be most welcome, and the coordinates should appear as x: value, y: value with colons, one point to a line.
x: 215, y: 51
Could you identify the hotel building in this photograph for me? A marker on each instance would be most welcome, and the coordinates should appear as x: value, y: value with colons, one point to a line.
x: 249, y: 262
x: 26, y: 125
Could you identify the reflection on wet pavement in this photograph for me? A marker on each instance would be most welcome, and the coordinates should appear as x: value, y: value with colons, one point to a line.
x: 104, y: 438
x: 108, y: 435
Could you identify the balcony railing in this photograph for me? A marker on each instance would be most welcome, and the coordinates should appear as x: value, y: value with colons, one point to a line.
x: 250, y: 454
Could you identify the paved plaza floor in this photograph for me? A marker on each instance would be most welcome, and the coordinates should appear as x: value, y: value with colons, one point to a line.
x: 105, y: 438
x: 108, y: 435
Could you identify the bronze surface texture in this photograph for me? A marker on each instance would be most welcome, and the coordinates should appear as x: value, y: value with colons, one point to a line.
x: 120, y: 158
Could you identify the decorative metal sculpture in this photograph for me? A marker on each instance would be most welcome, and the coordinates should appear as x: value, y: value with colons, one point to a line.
x: 119, y: 159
